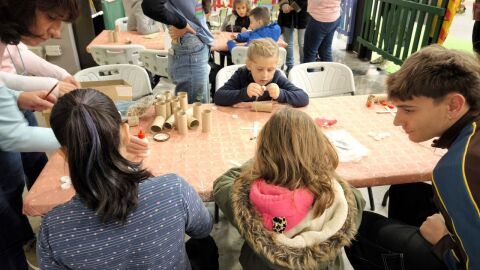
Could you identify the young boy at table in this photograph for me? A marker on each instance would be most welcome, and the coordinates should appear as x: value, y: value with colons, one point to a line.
x: 437, y: 93
x: 260, y: 27
x: 260, y: 79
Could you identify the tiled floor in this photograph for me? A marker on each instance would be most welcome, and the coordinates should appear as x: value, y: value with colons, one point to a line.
x: 368, y: 79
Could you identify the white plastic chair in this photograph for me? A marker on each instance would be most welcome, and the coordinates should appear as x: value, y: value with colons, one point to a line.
x: 239, y: 56
x: 225, y: 74
x: 117, y: 54
x: 136, y: 76
x: 156, y: 61
x: 321, y: 79
x: 122, y: 22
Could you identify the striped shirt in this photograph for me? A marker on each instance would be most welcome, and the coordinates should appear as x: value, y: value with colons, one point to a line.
x: 73, y: 237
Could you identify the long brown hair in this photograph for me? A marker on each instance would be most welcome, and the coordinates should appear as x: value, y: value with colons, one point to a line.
x: 292, y: 152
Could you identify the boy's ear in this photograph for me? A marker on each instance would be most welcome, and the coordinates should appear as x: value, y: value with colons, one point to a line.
x: 457, y: 104
x: 248, y: 64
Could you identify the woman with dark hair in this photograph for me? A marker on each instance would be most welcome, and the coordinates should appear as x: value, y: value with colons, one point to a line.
x: 30, y: 21
x: 121, y: 216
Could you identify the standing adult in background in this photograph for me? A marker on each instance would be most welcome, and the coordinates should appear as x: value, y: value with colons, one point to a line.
x: 32, y: 22
x: 476, y: 27
x: 191, y: 41
x: 137, y: 21
x: 293, y: 15
x: 320, y: 29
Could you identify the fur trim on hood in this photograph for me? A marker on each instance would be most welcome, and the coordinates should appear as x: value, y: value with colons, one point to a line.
x: 267, y: 244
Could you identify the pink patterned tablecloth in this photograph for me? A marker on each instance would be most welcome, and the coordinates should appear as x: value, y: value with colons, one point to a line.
x: 155, y: 43
x: 201, y: 157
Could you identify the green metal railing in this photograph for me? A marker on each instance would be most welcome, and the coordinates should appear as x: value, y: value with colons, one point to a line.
x: 397, y: 28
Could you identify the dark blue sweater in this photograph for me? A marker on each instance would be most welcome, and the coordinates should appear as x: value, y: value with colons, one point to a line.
x: 235, y: 90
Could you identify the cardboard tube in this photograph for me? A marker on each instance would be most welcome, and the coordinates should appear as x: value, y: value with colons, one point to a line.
x: 183, y: 98
x: 262, y: 106
x: 174, y: 103
x: 170, y: 122
x: 206, y: 121
x: 116, y: 36
x: 182, y: 122
x: 197, y: 110
x: 161, y: 109
x: 167, y: 94
x: 157, y: 124
x: 192, y: 122
x: 110, y: 36
x: 168, y: 109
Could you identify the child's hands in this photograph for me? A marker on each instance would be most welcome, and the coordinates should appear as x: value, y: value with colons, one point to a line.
x: 244, y: 29
x: 254, y: 90
x: 137, y: 148
x: 273, y: 90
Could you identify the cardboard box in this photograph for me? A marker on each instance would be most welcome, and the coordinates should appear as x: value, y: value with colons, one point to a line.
x: 118, y: 90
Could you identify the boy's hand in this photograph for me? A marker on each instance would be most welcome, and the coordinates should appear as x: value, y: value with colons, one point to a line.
x: 254, y: 90
x: 35, y: 101
x: 273, y: 90
x: 433, y: 229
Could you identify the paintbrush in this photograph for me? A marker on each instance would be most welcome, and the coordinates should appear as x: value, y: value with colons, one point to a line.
x: 49, y: 92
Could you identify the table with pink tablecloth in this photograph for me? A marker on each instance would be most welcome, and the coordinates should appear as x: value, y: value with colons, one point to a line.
x: 201, y: 157
x: 152, y: 41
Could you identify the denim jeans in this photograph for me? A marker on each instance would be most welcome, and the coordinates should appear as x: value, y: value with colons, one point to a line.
x: 188, y: 67
x: 288, y: 37
x: 318, y: 40
x: 387, y: 244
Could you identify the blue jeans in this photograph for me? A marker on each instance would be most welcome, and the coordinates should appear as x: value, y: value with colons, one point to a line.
x: 188, y: 67
x: 318, y: 40
x: 288, y: 37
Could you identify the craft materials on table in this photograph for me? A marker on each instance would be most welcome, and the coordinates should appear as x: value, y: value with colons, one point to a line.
x: 348, y: 148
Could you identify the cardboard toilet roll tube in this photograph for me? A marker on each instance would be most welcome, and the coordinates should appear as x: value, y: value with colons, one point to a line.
x: 157, y: 124
x: 161, y: 109
x: 174, y: 103
x: 110, y: 36
x: 183, y: 98
x: 170, y: 122
x: 168, y: 109
x: 116, y: 36
x: 167, y: 94
x: 192, y: 122
x: 182, y: 122
x: 206, y: 121
x: 197, y: 110
x: 262, y: 106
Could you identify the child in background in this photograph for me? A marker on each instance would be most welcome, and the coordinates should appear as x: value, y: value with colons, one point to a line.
x: 121, y: 213
x: 292, y: 209
x: 238, y: 21
x: 260, y: 79
x: 260, y: 26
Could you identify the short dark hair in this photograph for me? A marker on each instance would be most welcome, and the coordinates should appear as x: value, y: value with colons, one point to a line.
x: 261, y: 14
x: 87, y: 124
x: 434, y: 72
x: 16, y: 16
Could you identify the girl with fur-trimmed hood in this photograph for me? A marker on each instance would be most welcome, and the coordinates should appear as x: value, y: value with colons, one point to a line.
x: 288, y: 204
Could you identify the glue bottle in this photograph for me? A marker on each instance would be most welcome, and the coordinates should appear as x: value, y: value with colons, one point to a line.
x: 141, y: 135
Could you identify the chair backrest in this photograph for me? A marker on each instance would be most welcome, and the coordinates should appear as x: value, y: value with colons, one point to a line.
x: 155, y: 61
x: 136, y: 76
x: 122, y: 23
x: 239, y: 56
x: 116, y: 54
x: 321, y: 79
x: 225, y: 74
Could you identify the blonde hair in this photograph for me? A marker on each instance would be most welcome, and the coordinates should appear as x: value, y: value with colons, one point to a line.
x: 262, y: 47
x: 292, y: 152
x: 238, y: 2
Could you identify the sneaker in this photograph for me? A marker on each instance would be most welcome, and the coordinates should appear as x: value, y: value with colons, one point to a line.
x: 377, y: 61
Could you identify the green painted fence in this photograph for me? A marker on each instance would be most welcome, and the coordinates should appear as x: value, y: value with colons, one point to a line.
x: 397, y: 28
